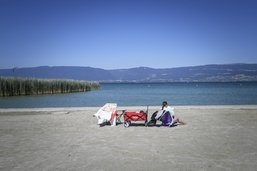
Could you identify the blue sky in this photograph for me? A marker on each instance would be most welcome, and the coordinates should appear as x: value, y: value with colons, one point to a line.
x: 127, y: 33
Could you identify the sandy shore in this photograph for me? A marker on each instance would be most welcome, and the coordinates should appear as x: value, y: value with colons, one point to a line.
x: 215, y: 138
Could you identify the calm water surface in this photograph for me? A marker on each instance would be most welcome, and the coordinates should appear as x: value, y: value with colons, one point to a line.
x: 130, y: 94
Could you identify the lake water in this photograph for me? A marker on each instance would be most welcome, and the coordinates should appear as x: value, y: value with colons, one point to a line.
x: 141, y: 94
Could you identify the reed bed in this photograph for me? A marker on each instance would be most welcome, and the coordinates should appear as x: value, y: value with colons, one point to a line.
x: 11, y: 86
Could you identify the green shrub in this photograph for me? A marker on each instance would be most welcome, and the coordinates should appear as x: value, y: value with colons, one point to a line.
x: 11, y: 86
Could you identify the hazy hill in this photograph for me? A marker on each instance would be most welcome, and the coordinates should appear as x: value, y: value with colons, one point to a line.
x: 229, y: 72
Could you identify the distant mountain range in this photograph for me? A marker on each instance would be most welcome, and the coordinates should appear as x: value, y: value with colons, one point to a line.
x: 204, y: 73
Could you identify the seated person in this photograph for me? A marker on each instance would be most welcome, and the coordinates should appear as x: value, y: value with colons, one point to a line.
x: 166, y: 115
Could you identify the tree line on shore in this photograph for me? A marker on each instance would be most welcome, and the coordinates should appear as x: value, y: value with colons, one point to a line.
x: 12, y: 86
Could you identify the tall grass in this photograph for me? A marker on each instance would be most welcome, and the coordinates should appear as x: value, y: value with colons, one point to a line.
x: 10, y: 86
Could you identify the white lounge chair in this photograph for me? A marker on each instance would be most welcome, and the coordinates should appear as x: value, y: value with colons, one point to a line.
x: 107, y: 113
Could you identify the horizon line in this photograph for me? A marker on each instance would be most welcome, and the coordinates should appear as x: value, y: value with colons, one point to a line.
x: 79, y: 66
